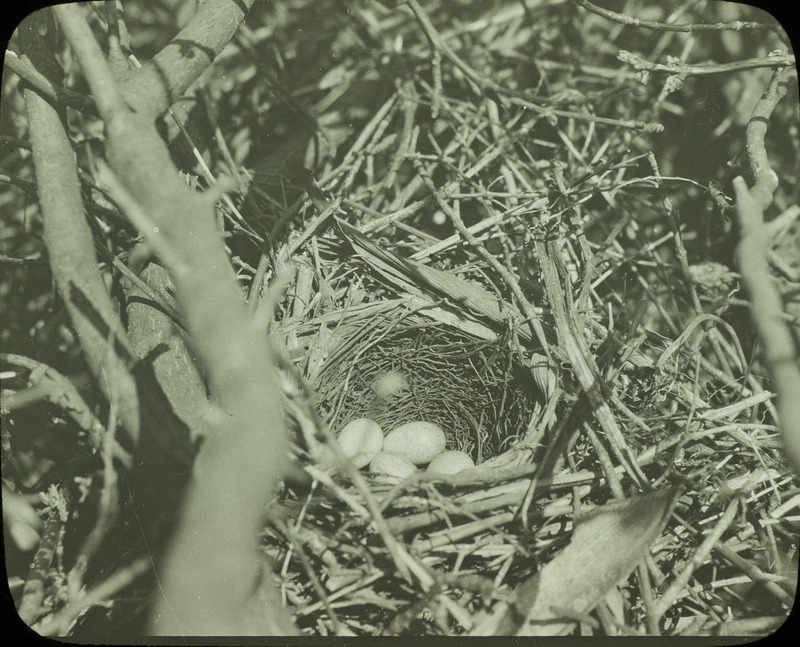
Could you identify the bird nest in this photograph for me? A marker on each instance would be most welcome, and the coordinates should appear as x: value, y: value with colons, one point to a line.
x: 523, y: 280
x: 477, y: 391
x: 394, y: 362
x: 375, y: 334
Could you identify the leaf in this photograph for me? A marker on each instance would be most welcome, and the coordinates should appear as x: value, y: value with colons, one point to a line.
x: 608, y: 543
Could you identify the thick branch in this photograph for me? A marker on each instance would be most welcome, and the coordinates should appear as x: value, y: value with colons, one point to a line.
x: 780, y: 354
x: 67, y: 235
x: 153, y: 88
x: 212, y: 569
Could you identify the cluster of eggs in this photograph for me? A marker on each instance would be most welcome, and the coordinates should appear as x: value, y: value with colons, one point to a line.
x: 402, y: 451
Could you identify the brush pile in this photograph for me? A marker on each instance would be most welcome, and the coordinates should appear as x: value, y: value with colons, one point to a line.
x: 499, y: 248
x: 513, y: 220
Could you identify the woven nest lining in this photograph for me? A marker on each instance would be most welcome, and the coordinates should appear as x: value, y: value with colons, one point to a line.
x: 477, y: 391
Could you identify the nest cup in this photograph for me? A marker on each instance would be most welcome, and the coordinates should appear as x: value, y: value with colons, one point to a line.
x: 477, y: 391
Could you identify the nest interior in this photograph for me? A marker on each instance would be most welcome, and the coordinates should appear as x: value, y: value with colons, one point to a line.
x: 477, y: 391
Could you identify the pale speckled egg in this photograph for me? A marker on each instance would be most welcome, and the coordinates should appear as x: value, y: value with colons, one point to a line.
x: 450, y: 462
x: 392, y: 465
x: 416, y: 441
x: 360, y: 440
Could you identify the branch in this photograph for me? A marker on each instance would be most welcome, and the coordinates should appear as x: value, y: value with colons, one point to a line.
x: 780, y: 353
x: 736, y: 25
x: 67, y: 235
x: 159, y: 83
x: 56, y: 93
x: 639, y: 63
x: 213, y: 578
x: 48, y: 384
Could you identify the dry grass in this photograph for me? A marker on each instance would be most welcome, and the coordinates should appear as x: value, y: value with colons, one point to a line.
x: 494, y: 217
x: 523, y: 198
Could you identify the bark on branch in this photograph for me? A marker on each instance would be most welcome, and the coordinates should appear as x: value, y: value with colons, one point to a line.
x: 67, y: 236
x: 213, y: 578
x: 780, y: 353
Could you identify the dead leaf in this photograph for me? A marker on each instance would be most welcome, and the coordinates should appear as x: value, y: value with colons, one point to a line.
x: 607, y: 544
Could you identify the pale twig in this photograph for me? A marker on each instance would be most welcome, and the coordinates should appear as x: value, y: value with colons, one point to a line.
x: 736, y: 25
x: 780, y: 353
x: 764, y: 178
x: 28, y: 73
x: 685, y: 69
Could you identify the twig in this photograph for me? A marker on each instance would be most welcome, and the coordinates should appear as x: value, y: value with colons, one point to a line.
x: 780, y: 353
x: 59, y: 623
x: 736, y: 25
x: 684, y: 69
x: 26, y: 70
x: 699, y: 557
x: 764, y: 178
x: 755, y: 574
x: 54, y: 387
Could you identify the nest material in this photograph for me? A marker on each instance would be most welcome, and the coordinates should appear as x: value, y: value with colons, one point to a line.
x: 477, y: 391
x: 507, y: 196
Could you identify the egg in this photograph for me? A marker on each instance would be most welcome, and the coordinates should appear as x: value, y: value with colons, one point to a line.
x: 392, y: 465
x: 418, y: 441
x: 450, y: 462
x: 360, y: 440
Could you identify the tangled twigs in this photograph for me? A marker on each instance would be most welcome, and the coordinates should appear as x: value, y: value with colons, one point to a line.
x: 780, y: 354
x: 495, y: 91
x: 48, y: 384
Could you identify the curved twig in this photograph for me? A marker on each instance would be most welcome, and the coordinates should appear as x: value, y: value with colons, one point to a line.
x: 780, y: 353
